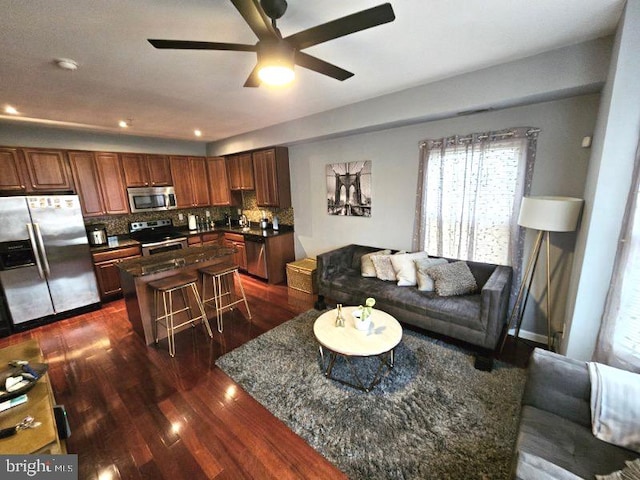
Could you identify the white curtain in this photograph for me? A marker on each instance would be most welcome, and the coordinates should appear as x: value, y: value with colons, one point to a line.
x: 469, y: 193
x: 619, y: 338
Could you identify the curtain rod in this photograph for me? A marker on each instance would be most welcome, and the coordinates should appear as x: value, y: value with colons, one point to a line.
x: 481, y: 136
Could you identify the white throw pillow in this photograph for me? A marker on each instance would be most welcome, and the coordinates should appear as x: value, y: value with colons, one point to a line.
x: 425, y: 282
x: 366, y: 265
x: 405, y: 267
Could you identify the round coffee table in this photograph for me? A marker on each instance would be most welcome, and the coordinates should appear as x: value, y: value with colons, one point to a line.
x: 378, y: 341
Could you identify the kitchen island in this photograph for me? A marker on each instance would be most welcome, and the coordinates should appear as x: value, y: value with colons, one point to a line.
x: 137, y: 273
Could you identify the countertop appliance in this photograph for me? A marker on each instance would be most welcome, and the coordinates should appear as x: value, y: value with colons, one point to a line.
x: 151, y: 199
x: 97, y: 234
x: 255, y: 249
x: 45, y: 262
x: 157, y: 236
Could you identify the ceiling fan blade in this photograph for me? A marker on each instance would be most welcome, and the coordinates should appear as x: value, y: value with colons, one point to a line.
x: 343, y: 26
x: 253, y: 80
x: 189, y: 45
x: 320, y: 66
x: 258, y: 22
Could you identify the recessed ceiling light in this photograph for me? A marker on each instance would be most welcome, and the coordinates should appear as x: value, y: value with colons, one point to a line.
x: 197, y: 133
x: 10, y: 110
x: 67, y: 64
x: 123, y: 124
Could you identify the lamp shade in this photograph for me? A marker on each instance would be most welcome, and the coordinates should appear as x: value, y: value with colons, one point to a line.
x: 551, y: 214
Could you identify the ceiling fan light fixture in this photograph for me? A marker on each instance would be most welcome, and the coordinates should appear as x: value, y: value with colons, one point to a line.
x: 276, y: 75
x: 275, y: 60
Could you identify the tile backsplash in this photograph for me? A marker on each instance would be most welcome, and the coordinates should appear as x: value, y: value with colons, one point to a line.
x: 119, y: 224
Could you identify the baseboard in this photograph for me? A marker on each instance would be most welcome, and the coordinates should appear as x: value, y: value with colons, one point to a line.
x: 526, y: 335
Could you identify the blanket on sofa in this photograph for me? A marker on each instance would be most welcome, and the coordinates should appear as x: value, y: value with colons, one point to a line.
x: 615, y: 409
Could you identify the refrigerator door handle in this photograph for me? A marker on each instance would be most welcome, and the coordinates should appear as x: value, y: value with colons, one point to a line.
x: 36, y: 255
x: 43, y: 254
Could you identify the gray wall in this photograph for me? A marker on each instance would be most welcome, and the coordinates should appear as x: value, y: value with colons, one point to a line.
x: 24, y: 135
x: 557, y: 74
x: 617, y: 138
x: 561, y: 168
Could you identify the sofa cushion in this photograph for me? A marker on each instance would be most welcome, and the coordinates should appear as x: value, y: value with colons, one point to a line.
x: 405, y: 268
x: 453, y: 279
x: 367, y: 269
x: 424, y: 281
x: 356, y: 253
x: 569, y: 445
x: 532, y: 467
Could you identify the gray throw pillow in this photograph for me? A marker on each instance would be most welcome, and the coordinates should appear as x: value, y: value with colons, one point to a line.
x: 425, y: 282
x: 453, y: 279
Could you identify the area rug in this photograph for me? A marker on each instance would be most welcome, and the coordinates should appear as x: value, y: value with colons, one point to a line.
x: 434, y: 416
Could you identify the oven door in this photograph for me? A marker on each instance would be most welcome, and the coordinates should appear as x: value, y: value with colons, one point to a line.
x: 164, y: 246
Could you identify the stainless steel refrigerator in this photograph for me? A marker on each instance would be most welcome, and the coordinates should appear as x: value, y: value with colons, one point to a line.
x: 45, y: 262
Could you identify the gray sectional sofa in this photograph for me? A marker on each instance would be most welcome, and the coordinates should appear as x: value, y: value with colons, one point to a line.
x: 554, y: 436
x: 477, y: 319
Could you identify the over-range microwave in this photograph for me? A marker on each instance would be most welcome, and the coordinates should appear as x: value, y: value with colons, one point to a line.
x: 151, y: 199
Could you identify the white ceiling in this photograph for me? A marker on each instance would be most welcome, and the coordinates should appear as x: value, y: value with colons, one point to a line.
x: 169, y: 93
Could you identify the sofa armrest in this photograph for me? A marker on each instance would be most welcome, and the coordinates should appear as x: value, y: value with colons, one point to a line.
x: 495, y: 302
x: 559, y: 385
x: 331, y: 263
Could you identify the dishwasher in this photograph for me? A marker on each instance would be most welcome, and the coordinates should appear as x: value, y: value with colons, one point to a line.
x: 255, y: 248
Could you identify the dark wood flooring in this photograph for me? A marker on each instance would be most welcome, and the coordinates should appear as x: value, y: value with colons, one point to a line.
x: 137, y: 413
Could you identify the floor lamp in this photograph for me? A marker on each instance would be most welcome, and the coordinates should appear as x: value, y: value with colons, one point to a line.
x: 545, y: 214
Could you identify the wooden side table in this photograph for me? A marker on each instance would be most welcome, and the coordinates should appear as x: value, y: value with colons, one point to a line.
x: 41, y: 440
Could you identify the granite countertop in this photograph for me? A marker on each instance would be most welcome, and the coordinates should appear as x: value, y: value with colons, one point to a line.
x: 115, y: 242
x: 251, y: 232
x: 173, y: 259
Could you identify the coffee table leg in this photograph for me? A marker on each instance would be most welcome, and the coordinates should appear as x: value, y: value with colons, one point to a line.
x: 392, y: 357
x: 321, y: 354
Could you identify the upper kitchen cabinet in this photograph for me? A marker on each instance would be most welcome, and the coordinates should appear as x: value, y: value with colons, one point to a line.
x: 48, y: 170
x: 221, y: 194
x: 190, y: 181
x: 34, y: 171
x: 99, y: 182
x: 146, y: 170
x: 11, y: 177
x: 271, y: 173
x: 240, y: 169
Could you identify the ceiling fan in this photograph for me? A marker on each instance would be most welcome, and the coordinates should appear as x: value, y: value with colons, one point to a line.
x: 277, y: 55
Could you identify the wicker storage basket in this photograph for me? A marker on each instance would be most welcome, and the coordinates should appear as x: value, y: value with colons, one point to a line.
x: 301, y: 275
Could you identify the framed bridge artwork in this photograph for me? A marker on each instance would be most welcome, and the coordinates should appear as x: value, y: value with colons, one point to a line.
x: 349, y: 189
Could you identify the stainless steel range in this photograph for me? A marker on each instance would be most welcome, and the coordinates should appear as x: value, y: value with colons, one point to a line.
x: 157, y: 236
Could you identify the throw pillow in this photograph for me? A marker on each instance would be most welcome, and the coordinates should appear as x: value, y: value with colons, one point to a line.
x: 405, y: 267
x: 366, y: 265
x: 453, y: 279
x: 384, y: 269
x: 630, y: 472
x: 425, y: 282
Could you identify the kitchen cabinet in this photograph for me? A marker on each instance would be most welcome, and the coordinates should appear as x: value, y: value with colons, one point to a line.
x: 30, y: 170
x: 48, y: 170
x: 11, y: 176
x: 206, y: 239
x: 240, y: 169
x: 236, y: 241
x: 221, y: 193
x: 280, y: 250
x: 146, y: 170
x: 190, y: 181
x: 107, y: 271
x: 271, y: 175
x: 99, y: 183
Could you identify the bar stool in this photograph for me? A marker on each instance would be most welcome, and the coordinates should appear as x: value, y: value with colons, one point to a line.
x: 224, y: 293
x: 167, y: 286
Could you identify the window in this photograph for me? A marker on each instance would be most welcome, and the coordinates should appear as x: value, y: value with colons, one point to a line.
x: 469, y: 194
x: 619, y: 338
